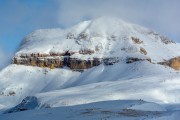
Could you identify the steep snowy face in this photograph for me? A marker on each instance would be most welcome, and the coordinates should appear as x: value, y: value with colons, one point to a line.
x: 103, y: 40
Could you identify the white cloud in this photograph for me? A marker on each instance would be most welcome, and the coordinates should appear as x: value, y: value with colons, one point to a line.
x: 160, y: 15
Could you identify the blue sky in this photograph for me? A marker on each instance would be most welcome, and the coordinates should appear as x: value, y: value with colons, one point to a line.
x: 20, y: 17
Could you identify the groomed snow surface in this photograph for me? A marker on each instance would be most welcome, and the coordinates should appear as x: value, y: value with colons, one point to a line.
x: 136, y: 91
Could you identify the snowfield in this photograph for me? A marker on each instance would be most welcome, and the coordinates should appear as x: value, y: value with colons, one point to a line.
x: 140, y: 80
x: 106, y: 110
x: 140, y: 90
x: 156, y: 84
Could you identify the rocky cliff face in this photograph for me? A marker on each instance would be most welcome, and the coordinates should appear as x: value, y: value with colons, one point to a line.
x: 57, y: 60
x: 173, y: 63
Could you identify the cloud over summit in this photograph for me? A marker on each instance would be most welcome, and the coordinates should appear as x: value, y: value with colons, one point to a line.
x: 160, y: 15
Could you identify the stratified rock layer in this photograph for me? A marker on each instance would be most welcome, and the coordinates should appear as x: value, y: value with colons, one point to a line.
x: 61, y: 60
x: 173, y: 63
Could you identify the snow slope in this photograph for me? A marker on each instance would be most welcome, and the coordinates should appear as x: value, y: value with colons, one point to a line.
x: 159, y: 89
x: 106, y: 110
x: 28, y: 81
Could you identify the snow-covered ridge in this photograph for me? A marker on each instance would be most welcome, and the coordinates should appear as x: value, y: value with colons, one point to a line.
x: 90, y: 43
x: 105, y: 37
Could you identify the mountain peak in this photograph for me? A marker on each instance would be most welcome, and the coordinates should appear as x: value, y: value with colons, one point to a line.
x: 105, y: 25
x: 104, y: 36
x: 107, y: 22
x: 105, y: 40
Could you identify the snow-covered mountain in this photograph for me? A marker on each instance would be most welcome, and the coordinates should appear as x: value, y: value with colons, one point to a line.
x: 103, y: 59
x: 105, y: 37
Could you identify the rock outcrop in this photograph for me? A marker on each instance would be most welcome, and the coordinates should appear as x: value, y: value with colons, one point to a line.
x: 59, y: 60
x: 143, y: 51
x: 173, y: 63
x: 28, y: 103
x: 136, y: 40
x: 132, y: 59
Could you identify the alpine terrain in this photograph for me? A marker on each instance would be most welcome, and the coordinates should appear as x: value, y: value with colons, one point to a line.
x: 101, y: 69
